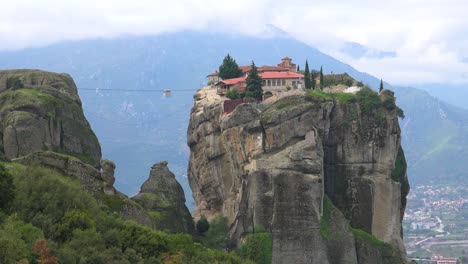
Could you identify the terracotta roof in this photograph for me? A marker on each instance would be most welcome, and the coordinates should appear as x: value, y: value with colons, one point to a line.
x: 232, y: 81
x: 281, y: 75
x: 267, y: 68
x: 245, y: 68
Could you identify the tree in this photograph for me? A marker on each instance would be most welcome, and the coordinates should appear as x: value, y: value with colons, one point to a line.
x: 202, y: 225
x: 313, y: 75
x: 298, y: 69
x: 254, y: 83
x: 7, y: 191
x: 321, y: 78
x: 381, y: 86
x: 307, y: 79
x: 229, y: 69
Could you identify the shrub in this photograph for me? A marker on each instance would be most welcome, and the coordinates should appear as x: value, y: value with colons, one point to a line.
x: 368, y: 100
x: 233, y: 94
x: 14, y: 83
x: 7, y: 189
x: 258, y: 248
x: 202, y: 225
x: 325, y: 220
x: 218, y: 234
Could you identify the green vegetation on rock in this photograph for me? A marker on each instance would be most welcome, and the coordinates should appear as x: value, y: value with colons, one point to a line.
x: 258, y: 248
x: 50, y: 206
x: 7, y: 190
x: 340, y: 97
x: 217, y: 236
x: 399, y: 170
x: 325, y: 220
x: 368, y: 238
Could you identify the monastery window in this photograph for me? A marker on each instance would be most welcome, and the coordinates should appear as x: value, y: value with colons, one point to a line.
x: 263, y: 83
x: 269, y: 83
x: 283, y: 82
x: 293, y: 83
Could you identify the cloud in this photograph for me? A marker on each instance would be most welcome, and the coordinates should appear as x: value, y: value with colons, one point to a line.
x: 427, y: 39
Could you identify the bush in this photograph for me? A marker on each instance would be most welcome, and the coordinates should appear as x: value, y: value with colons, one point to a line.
x: 14, y: 83
x: 43, y: 198
x: 233, y: 94
x: 368, y: 100
x: 325, y: 220
x: 258, y: 248
x: 7, y: 189
x: 218, y: 234
x: 79, y: 231
x: 202, y: 225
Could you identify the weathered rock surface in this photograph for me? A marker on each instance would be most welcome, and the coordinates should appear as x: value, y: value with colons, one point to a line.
x: 42, y: 111
x: 107, y: 174
x: 273, y: 166
x: 163, y: 197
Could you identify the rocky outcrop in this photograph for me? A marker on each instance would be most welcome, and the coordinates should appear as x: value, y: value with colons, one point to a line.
x: 274, y: 166
x: 42, y: 111
x: 107, y: 174
x: 163, y: 197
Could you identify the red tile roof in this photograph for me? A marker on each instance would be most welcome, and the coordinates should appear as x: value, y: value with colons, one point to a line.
x: 281, y: 75
x: 232, y: 81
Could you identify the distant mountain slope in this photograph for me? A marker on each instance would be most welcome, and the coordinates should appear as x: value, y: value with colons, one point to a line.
x: 435, y: 136
x: 138, y: 128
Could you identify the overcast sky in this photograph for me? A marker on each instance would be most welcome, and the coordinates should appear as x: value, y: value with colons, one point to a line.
x: 427, y: 39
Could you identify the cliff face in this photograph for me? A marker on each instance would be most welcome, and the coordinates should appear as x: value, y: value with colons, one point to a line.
x: 325, y: 176
x: 42, y: 111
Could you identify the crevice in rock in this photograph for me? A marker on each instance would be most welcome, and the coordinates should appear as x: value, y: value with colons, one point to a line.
x: 61, y: 135
x: 263, y: 137
x: 17, y: 143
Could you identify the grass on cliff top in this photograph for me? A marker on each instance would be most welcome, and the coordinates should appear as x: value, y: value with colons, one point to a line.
x: 340, y: 97
x: 12, y: 99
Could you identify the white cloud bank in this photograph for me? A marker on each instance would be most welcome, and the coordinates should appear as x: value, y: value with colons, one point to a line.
x: 429, y: 37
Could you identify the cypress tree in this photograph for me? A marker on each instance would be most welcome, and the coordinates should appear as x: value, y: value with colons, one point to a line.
x: 321, y: 78
x: 381, y: 86
x: 254, y: 83
x: 229, y: 69
x: 298, y: 69
x: 313, y: 75
x: 307, y: 80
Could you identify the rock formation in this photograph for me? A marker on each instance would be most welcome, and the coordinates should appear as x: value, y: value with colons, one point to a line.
x: 325, y: 176
x: 163, y: 197
x: 42, y: 111
x: 107, y: 174
x: 42, y: 123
